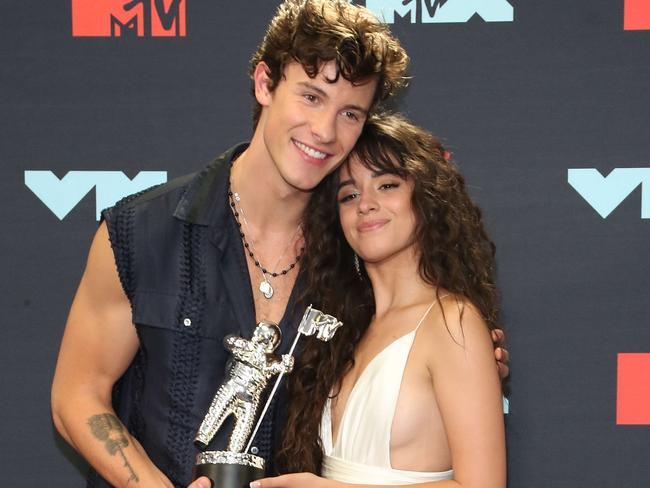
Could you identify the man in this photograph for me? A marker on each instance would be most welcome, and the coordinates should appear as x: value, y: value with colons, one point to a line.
x: 213, y: 253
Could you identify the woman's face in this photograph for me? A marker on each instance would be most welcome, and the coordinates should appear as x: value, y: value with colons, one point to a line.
x: 375, y: 213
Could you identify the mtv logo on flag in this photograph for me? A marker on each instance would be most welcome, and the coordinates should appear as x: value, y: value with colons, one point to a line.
x: 637, y: 15
x: 132, y: 18
x: 633, y: 389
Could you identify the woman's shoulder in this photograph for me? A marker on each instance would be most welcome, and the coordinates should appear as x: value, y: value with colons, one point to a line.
x: 455, y: 322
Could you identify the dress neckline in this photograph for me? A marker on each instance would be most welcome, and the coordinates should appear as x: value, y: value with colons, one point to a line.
x: 366, y: 369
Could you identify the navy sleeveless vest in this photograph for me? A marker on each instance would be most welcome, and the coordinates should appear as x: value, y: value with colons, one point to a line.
x: 182, y: 265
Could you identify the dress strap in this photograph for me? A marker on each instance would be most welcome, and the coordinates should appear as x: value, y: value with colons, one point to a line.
x: 437, y: 300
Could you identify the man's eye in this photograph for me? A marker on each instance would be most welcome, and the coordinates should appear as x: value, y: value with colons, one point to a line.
x: 388, y: 186
x: 351, y: 115
x: 310, y: 98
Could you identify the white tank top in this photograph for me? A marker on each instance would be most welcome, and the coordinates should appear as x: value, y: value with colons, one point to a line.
x: 361, y: 452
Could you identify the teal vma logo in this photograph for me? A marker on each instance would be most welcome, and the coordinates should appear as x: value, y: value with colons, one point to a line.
x: 441, y: 11
x: 605, y: 193
x: 62, y: 195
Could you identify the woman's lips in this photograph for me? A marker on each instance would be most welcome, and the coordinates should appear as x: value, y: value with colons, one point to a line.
x: 370, y: 225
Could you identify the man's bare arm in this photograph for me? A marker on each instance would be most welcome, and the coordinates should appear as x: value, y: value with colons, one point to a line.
x: 98, y: 345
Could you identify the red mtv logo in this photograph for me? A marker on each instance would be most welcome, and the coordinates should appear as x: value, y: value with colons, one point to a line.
x: 141, y: 18
x: 637, y: 15
x: 633, y: 389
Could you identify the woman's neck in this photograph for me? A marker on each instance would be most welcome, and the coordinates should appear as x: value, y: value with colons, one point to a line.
x: 396, y: 282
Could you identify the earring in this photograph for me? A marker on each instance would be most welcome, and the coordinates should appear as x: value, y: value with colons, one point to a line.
x: 357, y: 266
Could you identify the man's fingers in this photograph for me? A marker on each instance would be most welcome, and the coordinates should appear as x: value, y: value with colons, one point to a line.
x: 498, y: 337
x: 503, y: 355
x: 504, y: 370
x: 202, y: 482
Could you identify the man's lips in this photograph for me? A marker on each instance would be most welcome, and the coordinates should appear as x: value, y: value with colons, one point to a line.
x: 310, y: 153
x: 370, y: 225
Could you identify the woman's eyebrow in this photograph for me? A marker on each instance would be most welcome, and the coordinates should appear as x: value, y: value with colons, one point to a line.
x: 349, y: 181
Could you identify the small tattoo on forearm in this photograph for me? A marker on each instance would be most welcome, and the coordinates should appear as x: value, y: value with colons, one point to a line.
x: 107, y: 428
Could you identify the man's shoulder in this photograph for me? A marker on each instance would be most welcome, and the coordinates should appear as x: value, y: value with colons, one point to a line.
x: 164, y: 194
x: 189, y: 197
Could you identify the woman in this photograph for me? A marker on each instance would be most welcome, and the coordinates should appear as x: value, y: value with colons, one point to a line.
x: 407, y: 391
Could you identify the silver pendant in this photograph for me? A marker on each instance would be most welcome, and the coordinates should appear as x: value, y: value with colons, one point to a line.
x: 266, y: 289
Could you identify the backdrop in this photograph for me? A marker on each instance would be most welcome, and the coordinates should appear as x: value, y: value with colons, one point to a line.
x: 544, y: 104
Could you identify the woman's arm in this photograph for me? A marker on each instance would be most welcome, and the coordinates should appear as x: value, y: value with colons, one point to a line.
x: 469, y: 396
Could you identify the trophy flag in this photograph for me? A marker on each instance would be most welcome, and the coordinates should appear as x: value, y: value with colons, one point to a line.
x: 313, y: 322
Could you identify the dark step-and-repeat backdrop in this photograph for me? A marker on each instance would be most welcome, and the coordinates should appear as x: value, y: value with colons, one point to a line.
x: 544, y: 104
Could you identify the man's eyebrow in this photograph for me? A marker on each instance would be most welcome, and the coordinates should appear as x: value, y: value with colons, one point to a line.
x: 306, y: 84
x: 311, y: 86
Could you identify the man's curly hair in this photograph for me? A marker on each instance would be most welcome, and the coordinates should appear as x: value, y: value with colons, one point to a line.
x: 313, y: 32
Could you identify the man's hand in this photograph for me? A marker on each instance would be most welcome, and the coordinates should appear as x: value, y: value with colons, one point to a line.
x: 202, y: 482
x: 501, y: 353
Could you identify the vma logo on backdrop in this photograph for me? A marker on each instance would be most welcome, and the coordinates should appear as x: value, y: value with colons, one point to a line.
x: 441, y: 11
x: 64, y: 194
x: 605, y: 193
x: 637, y: 15
x: 133, y: 18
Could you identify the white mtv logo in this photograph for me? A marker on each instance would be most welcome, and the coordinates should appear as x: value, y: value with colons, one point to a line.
x: 62, y: 195
x: 441, y: 11
x: 605, y: 193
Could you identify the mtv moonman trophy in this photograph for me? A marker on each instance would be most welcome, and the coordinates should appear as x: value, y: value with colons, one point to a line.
x: 253, y: 365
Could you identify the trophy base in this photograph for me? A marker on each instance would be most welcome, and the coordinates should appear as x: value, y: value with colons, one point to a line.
x: 229, y: 469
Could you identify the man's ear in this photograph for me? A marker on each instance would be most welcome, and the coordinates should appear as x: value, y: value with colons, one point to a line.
x: 262, y: 81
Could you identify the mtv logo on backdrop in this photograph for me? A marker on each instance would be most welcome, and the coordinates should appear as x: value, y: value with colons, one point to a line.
x: 605, y: 193
x: 132, y: 18
x: 62, y: 195
x: 441, y: 11
x: 637, y: 15
x: 633, y: 389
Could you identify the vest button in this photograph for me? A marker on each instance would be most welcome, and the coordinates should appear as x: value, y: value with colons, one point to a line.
x: 187, y: 322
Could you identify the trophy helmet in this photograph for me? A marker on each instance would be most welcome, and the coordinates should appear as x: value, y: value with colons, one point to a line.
x: 268, y: 334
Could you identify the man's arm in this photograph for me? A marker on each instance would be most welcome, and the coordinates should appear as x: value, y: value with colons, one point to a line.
x: 98, y: 345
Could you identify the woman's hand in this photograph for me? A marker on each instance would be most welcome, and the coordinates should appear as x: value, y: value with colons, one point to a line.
x: 297, y: 480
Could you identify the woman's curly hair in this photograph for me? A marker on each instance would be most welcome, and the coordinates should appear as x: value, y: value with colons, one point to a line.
x: 312, y: 32
x: 455, y: 255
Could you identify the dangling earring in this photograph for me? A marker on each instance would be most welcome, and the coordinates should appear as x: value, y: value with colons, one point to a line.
x: 357, y: 266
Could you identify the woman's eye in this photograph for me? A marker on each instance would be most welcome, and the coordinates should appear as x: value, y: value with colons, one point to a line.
x: 310, y: 98
x: 348, y: 197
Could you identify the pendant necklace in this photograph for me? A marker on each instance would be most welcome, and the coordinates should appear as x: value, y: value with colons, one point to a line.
x: 265, y: 286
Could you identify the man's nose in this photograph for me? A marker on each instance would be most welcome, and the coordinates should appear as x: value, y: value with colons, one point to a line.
x: 323, y: 127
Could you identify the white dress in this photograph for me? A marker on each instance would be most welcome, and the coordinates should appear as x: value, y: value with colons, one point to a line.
x: 361, y: 452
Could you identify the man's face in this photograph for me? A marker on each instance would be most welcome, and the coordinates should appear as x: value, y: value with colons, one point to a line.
x: 310, y: 125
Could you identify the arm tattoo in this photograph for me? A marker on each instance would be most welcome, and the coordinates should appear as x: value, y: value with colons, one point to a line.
x: 107, y: 428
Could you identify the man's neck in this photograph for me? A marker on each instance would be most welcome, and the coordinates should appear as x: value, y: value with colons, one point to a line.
x: 270, y: 203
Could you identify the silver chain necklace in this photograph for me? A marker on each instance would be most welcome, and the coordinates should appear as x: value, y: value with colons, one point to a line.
x: 265, y: 286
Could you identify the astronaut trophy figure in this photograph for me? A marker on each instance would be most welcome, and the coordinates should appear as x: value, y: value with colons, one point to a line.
x: 253, y: 365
